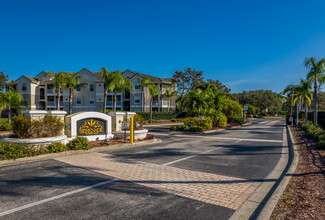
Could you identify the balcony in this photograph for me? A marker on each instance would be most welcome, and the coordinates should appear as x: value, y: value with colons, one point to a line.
x: 165, y: 103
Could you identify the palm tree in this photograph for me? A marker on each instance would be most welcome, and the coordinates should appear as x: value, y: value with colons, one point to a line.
x: 118, y: 83
x: 11, y: 99
x: 305, y: 94
x: 153, y: 93
x: 170, y: 92
x: 315, y: 74
x: 73, y: 83
x: 106, y: 77
x: 60, y: 82
x: 289, y: 90
x: 143, y: 82
x: 198, y: 101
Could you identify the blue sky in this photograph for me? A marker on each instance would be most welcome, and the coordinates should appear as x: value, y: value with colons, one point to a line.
x: 246, y: 45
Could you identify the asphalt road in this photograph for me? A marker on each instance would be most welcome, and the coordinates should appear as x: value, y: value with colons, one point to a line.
x: 54, y: 189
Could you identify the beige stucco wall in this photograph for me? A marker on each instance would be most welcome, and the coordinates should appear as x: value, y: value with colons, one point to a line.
x: 31, y: 95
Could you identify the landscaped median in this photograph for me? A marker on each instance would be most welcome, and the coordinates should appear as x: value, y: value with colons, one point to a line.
x: 217, y: 121
x: 12, y: 151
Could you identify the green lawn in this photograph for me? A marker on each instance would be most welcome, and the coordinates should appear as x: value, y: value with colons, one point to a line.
x: 3, y: 120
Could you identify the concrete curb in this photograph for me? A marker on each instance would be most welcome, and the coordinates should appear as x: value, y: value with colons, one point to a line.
x: 67, y: 153
x: 261, y: 203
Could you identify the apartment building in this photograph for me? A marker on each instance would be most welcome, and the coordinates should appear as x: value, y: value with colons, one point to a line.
x: 39, y: 94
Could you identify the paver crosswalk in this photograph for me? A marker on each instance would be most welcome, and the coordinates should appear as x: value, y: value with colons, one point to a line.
x: 215, y: 189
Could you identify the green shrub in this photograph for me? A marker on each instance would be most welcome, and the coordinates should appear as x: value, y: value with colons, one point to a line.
x: 13, y: 151
x: 140, y: 119
x: 173, y: 128
x: 49, y: 126
x: 177, y: 119
x: 52, y: 126
x: 79, y: 143
x: 186, y: 128
x: 196, y: 128
x: 21, y: 126
x: 219, y: 119
x: 57, y: 147
x: 314, y: 132
x: 206, y: 123
x: 5, y: 127
x: 321, y: 142
x: 231, y: 108
x: 158, y: 115
x: 236, y: 119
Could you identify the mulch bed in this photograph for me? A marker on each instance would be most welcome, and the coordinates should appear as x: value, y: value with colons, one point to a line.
x: 304, y: 196
x: 115, y: 141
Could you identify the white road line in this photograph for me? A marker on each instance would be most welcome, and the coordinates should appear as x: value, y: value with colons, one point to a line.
x: 55, y: 197
x: 185, y: 158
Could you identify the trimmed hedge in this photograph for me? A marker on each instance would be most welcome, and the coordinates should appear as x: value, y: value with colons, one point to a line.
x: 13, y: 151
x: 158, y: 115
x: 206, y: 123
x: 5, y: 127
x: 57, y: 147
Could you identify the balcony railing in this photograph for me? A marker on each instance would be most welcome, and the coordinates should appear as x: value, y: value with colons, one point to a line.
x: 165, y: 102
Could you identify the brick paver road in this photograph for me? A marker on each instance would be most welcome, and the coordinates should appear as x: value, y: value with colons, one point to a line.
x: 215, y: 189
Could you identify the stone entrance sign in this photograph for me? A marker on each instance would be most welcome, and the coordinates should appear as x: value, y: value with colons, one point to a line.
x: 92, y: 125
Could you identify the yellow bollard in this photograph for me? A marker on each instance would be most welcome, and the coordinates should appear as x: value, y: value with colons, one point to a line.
x: 131, y: 130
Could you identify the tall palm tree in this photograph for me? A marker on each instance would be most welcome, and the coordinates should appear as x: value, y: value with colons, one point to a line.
x: 106, y: 77
x: 11, y: 99
x: 60, y: 81
x: 170, y: 92
x: 305, y: 94
x: 143, y: 82
x: 118, y: 83
x: 153, y: 93
x: 73, y: 83
x: 289, y: 90
x: 315, y: 74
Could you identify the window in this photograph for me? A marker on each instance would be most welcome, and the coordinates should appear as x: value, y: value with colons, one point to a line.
x: 24, y: 87
x: 136, y: 85
x: 78, y: 101
x: 78, y: 88
x: 118, y: 100
x: 49, y: 86
x: 137, y: 99
x: 99, y: 85
x: 91, y: 87
x: 91, y: 101
x: 109, y: 100
x: 50, y: 98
